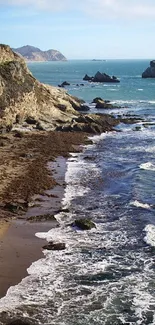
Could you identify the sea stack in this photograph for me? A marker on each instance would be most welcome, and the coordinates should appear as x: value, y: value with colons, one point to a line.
x: 150, y: 71
x: 101, y: 77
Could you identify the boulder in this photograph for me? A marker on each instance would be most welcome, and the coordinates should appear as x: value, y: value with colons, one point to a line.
x: 84, y: 224
x: 55, y: 246
x: 102, y: 104
x: 42, y: 218
x: 150, y: 71
x: 96, y: 99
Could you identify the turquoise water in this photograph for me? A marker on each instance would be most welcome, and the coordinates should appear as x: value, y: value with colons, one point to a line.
x: 131, y: 87
x: 105, y: 276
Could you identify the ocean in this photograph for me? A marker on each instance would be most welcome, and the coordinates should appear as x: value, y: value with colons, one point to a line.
x: 106, y: 275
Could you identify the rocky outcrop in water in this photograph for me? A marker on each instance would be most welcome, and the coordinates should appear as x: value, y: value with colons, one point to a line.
x: 101, y: 77
x: 84, y: 224
x: 31, y: 53
x: 149, y: 72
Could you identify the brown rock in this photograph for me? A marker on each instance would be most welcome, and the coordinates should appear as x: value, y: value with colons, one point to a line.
x: 55, y: 246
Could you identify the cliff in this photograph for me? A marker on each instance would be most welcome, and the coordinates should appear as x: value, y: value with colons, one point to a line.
x: 31, y: 53
x: 24, y: 101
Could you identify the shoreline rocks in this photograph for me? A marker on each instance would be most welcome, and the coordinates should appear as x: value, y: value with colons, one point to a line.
x: 150, y: 71
x: 51, y: 246
x: 65, y: 83
x: 84, y: 224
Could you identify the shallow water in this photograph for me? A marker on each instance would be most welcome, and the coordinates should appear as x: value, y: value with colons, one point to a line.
x: 106, y: 275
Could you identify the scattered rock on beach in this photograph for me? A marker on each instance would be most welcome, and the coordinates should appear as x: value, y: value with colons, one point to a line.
x: 55, y: 246
x: 16, y: 207
x: 84, y: 224
x: 42, y: 218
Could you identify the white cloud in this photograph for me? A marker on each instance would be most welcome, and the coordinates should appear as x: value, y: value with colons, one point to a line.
x: 100, y: 8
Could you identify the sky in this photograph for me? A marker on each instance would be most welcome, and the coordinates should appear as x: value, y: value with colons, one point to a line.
x: 81, y: 29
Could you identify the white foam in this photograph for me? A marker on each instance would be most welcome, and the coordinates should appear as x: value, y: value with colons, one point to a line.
x: 150, y: 235
x: 140, y: 205
x: 148, y: 166
x: 98, y: 138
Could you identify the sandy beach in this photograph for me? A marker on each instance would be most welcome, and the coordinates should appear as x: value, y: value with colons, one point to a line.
x: 32, y: 174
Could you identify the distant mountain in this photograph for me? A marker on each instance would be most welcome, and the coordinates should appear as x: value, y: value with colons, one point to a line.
x: 31, y: 53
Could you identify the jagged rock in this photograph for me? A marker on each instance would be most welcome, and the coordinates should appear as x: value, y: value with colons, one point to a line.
x: 84, y: 224
x: 101, y: 77
x: 55, y: 246
x: 87, y: 78
x: 149, y: 72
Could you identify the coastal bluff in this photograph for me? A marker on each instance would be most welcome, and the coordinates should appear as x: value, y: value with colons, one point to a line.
x: 150, y: 71
x: 25, y: 102
x: 31, y: 53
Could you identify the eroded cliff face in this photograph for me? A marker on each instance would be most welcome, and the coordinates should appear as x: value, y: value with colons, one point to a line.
x: 21, y: 95
x: 24, y: 101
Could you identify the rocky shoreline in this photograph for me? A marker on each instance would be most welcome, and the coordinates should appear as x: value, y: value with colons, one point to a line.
x: 38, y: 123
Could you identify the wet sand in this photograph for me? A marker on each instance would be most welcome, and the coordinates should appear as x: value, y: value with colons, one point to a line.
x: 34, y: 181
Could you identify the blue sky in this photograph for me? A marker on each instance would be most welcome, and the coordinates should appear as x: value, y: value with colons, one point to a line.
x: 104, y: 29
